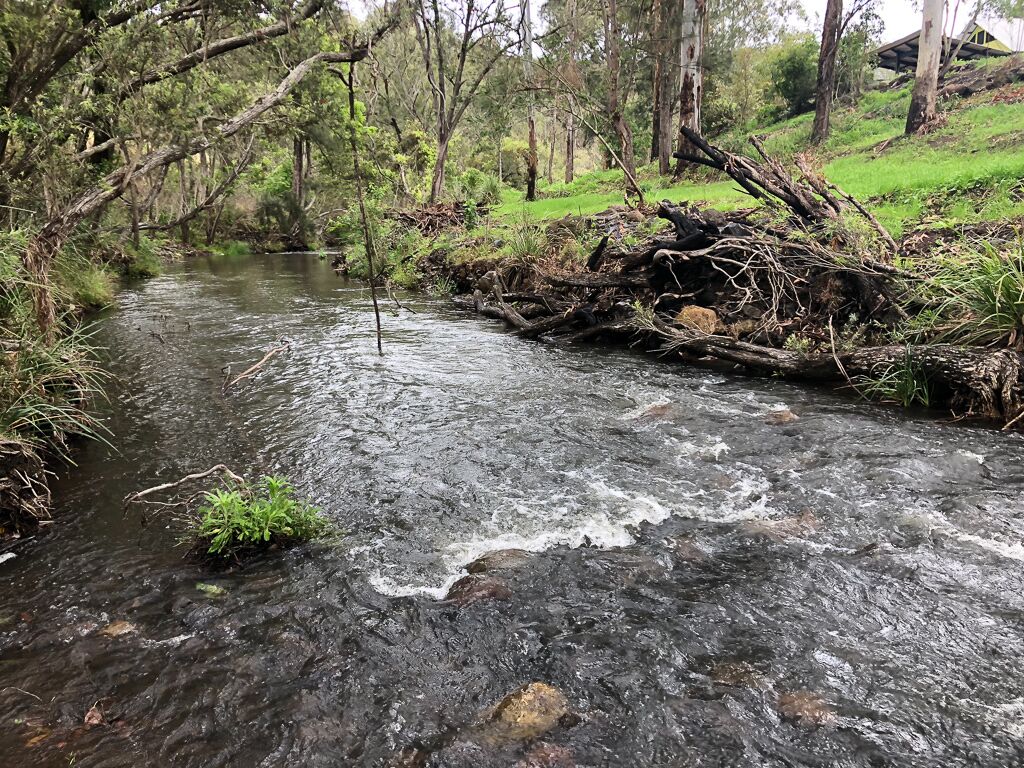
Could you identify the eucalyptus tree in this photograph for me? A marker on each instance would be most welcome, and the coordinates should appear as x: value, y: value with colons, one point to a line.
x: 924, y: 97
x: 461, y: 42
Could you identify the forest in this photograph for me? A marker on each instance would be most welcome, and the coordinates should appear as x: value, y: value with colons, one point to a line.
x: 295, y: 284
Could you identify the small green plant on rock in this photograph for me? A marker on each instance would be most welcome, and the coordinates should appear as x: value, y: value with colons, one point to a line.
x: 249, y: 517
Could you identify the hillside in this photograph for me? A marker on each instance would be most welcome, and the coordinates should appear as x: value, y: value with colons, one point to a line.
x: 966, y: 170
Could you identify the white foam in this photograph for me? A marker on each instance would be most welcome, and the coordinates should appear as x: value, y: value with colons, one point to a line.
x: 538, y: 530
x: 7, y: 556
x: 713, y: 448
x: 971, y: 455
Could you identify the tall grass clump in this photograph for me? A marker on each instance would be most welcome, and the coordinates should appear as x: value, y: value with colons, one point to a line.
x: 244, y: 519
x: 45, y: 390
x: 981, y: 295
x: 525, y: 243
x: 88, y: 284
x: 905, y: 383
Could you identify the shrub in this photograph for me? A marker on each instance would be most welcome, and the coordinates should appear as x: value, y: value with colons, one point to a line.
x: 525, y: 243
x: 475, y: 186
x: 983, y: 295
x: 143, y: 261
x: 44, y: 390
x: 247, y: 518
x: 794, y: 74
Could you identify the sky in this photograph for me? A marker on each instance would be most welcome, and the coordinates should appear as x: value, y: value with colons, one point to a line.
x: 901, y: 17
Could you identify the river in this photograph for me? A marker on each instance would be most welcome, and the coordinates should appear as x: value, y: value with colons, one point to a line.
x: 665, y: 598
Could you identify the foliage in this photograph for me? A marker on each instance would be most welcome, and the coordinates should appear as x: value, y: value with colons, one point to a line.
x: 525, y: 243
x: 244, y: 518
x: 794, y: 73
x: 88, y: 284
x: 905, y: 383
x: 982, y: 294
x: 475, y: 186
x: 45, y: 390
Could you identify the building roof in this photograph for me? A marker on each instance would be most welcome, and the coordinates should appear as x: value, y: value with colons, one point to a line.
x: 1009, y: 32
x: 902, y: 54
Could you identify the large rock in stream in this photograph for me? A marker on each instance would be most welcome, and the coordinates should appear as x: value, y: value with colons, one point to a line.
x: 526, y: 714
x: 482, y: 583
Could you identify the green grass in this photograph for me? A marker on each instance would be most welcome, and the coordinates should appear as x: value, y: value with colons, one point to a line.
x: 963, y: 172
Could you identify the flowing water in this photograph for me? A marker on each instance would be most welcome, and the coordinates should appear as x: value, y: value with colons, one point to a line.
x: 695, y: 567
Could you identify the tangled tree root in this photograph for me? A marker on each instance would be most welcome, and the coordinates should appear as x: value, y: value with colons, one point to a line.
x: 24, y: 492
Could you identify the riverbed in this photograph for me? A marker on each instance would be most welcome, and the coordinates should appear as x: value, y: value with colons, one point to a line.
x: 697, y: 561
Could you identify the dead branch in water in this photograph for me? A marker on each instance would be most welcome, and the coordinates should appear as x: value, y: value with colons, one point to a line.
x: 252, y: 370
x: 139, y: 496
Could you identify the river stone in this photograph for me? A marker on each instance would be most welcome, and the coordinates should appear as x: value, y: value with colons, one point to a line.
x: 656, y: 411
x: 800, y: 525
x: 699, y: 318
x: 806, y: 709
x: 118, y: 629
x: 527, y: 713
x: 478, y: 586
x: 779, y: 418
x: 548, y: 756
x: 498, y: 560
x: 738, y: 674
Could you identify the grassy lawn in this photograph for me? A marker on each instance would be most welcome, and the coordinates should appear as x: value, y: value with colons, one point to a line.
x: 968, y: 170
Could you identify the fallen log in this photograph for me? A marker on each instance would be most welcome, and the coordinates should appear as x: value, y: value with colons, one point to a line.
x: 638, y: 282
x: 972, y: 381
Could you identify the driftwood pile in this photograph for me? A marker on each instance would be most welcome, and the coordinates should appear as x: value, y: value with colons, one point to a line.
x: 787, y: 290
x: 433, y: 219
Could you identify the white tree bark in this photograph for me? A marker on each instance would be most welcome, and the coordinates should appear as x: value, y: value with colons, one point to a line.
x: 691, y: 90
x: 924, y: 98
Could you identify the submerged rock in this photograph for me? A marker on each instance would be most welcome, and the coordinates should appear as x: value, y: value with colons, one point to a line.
x: 800, y: 525
x: 685, y: 548
x: 656, y: 411
x: 548, y: 756
x: 118, y: 629
x: 478, y: 586
x: 527, y: 713
x: 806, y: 709
x: 498, y: 560
x: 779, y: 418
x: 738, y: 674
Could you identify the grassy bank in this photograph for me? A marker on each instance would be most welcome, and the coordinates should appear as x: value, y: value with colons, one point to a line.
x: 47, y: 386
x: 966, y: 170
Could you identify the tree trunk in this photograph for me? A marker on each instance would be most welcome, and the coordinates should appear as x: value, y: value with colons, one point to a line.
x: 531, y: 110
x: 665, y: 103
x: 570, y: 146
x: 298, y: 170
x: 659, y: 76
x: 826, y: 86
x: 691, y: 89
x: 552, y: 124
x: 924, y: 98
x: 437, y: 185
x: 612, y: 33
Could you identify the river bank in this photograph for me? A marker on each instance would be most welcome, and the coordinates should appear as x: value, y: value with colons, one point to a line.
x: 809, y: 287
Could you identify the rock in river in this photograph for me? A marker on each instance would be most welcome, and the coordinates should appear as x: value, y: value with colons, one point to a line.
x: 527, y: 713
x: 498, y: 560
x: 478, y: 586
x: 806, y: 709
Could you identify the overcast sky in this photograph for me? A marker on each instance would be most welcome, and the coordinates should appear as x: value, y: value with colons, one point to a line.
x: 900, y: 16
